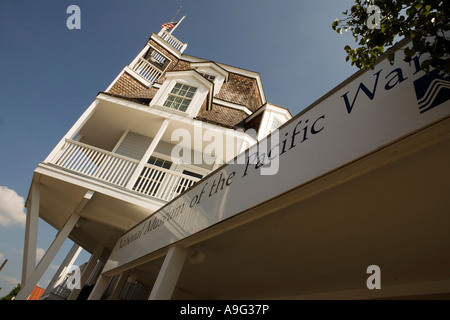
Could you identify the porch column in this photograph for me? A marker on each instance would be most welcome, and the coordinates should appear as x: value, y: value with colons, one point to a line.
x: 63, y: 268
x: 50, y: 254
x: 96, y: 272
x: 168, y: 275
x: 47, y: 258
x: 147, y: 154
x: 99, y: 288
x: 87, y: 272
x: 31, y: 230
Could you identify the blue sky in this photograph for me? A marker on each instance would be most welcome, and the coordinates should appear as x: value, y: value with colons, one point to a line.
x: 51, y: 74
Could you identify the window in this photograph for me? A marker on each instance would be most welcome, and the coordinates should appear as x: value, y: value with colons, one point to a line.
x: 208, y: 76
x: 151, y: 178
x: 180, y: 97
x: 275, y: 125
x: 159, y: 162
x: 192, y: 174
x: 184, y: 184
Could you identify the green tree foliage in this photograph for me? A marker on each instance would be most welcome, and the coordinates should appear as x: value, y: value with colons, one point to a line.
x: 12, y: 293
x: 426, y: 22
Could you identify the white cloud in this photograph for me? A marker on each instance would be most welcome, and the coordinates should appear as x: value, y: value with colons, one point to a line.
x: 11, y: 208
x: 39, y: 253
x: 10, y: 280
x: 54, y: 267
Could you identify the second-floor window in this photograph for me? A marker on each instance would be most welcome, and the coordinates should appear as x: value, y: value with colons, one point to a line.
x: 180, y: 97
x: 208, y: 76
x: 275, y: 125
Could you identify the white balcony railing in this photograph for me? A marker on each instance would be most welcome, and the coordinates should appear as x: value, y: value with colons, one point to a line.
x: 95, y: 163
x: 174, y: 42
x: 162, y: 183
x: 146, y: 70
x: 116, y: 169
x: 62, y: 291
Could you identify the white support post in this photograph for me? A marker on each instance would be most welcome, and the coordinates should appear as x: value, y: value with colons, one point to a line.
x: 68, y: 262
x: 183, y: 47
x: 125, y: 133
x: 147, y: 154
x: 73, y: 131
x: 57, y: 243
x: 96, y: 272
x: 140, y: 55
x: 47, y: 258
x: 87, y: 272
x: 99, y: 288
x: 168, y: 275
x: 244, y: 146
x: 31, y: 231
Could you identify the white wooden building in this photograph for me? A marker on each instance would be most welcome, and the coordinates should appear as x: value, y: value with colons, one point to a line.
x: 346, y: 200
x: 166, y: 121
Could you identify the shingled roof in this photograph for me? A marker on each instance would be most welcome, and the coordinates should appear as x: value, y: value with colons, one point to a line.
x: 239, y: 89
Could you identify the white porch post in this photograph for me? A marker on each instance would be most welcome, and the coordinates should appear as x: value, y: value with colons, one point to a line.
x: 147, y: 154
x: 99, y: 288
x: 73, y: 131
x: 168, y: 275
x: 31, y: 230
x: 140, y: 55
x: 96, y: 272
x: 69, y: 260
x: 47, y: 258
x: 87, y: 272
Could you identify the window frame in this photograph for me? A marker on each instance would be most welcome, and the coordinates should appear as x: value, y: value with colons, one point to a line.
x: 177, y: 98
x: 187, y: 77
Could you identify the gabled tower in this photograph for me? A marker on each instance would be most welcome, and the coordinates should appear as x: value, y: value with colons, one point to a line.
x: 164, y: 123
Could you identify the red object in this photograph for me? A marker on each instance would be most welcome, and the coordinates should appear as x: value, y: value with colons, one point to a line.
x: 36, y: 293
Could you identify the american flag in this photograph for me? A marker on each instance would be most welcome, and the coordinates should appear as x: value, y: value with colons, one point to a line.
x: 169, y: 25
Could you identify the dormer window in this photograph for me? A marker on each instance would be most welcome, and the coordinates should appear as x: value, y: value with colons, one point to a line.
x: 275, y: 125
x: 180, y: 97
x: 213, y: 72
x: 208, y: 76
x: 183, y: 91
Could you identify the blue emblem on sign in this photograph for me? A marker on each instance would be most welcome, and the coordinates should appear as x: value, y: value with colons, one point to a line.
x: 432, y: 89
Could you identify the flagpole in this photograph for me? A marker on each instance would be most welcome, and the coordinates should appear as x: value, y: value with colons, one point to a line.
x: 176, y: 13
x: 178, y: 23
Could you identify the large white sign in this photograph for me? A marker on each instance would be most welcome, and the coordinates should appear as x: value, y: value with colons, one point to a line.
x: 374, y: 109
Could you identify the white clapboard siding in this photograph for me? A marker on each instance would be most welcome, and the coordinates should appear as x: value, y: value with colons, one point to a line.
x: 134, y: 145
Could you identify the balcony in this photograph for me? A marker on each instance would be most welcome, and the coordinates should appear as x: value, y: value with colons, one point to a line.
x: 171, y: 40
x: 151, y: 63
x: 146, y: 70
x: 115, y: 169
